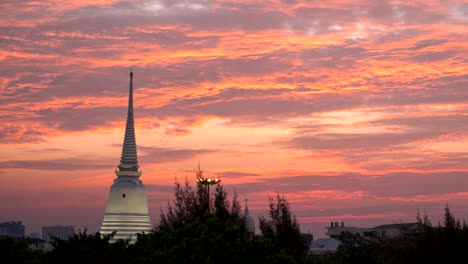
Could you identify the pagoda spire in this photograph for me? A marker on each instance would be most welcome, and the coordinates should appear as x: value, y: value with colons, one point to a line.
x: 250, y: 224
x: 246, y: 210
x: 129, y: 159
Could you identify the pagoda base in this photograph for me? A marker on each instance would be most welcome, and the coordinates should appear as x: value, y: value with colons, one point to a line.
x: 126, y: 226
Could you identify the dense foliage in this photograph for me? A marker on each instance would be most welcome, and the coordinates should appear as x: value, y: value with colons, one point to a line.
x: 282, y: 229
x: 194, y: 230
x: 16, y: 250
x: 87, y: 248
x: 198, y: 228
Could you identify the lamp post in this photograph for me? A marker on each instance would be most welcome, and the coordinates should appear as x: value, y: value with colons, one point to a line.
x: 206, y: 182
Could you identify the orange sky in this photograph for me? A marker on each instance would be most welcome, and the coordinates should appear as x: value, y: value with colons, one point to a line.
x: 356, y: 111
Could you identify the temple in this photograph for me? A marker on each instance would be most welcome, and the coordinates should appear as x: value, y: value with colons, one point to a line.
x: 127, y: 206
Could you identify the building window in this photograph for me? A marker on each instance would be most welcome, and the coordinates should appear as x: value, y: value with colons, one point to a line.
x: 123, y: 195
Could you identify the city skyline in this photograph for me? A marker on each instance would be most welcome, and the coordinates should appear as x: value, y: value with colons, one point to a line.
x: 356, y: 111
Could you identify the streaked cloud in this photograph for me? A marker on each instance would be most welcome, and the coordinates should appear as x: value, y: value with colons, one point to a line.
x: 69, y: 164
x: 161, y: 155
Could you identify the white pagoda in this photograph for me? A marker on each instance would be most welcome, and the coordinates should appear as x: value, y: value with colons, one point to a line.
x: 127, y: 206
x: 249, y: 222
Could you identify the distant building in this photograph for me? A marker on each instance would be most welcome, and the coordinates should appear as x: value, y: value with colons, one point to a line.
x: 12, y: 228
x: 387, y: 231
x: 62, y: 232
x: 35, y: 235
x: 394, y: 230
x: 335, y: 230
x: 323, y: 247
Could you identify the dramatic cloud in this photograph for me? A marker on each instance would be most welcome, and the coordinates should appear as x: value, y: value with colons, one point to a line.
x: 69, y: 164
x: 235, y: 174
x: 162, y: 155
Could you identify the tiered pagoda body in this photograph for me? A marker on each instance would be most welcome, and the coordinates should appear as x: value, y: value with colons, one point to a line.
x: 127, y: 206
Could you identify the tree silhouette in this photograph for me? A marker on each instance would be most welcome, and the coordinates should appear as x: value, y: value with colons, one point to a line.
x: 282, y: 229
x: 87, y: 248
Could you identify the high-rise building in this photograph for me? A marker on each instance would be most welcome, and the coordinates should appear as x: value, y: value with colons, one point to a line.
x: 127, y: 206
x: 58, y: 231
x: 12, y: 228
